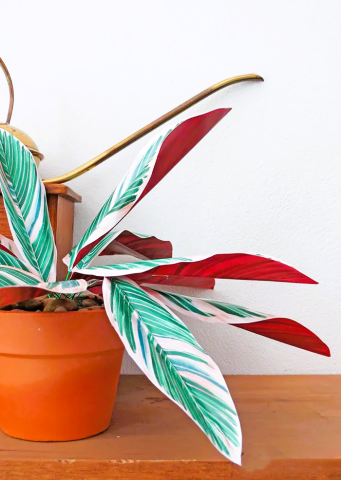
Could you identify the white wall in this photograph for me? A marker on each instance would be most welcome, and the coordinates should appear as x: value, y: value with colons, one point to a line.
x: 266, y: 180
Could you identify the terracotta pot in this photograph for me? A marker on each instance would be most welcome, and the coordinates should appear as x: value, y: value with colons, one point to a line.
x: 58, y: 374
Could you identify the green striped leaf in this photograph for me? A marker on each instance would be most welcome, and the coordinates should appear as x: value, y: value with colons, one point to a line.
x: 123, y: 242
x: 118, y: 204
x: 211, y: 311
x: 25, y: 202
x: 10, y: 275
x: 280, y: 329
x: 130, y: 268
x: 7, y: 258
x: 9, y: 245
x: 17, y: 285
x: 153, y: 162
x: 65, y: 286
x: 166, y: 351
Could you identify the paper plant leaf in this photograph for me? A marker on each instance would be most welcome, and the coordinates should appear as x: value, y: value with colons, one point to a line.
x: 65, y: 286
x: 94, y: 284
x: 17, y: 286
x: 171, y: 358
x: 146, y: 246
x: 175, y: 281
x: 169, y: 280
x: 10, y: 275
x: 154, y: 161
x: 25, y: 203
x: 124, y: 242
x: 7, y: 258
x: 280, y: 329
x: 239, y: 266
x: 287, y: 331
x: 96, y: 289
x: 9, y: 245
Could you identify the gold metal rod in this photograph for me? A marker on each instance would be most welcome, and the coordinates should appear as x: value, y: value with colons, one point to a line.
x: 148, y: 128
x: 11, y: 90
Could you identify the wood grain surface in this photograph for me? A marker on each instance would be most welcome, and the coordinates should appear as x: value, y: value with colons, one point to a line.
x: 61, y: 211
x: 291, y: 428
x: 63, y: 191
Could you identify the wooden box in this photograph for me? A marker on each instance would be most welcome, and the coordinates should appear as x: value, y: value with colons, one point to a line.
x: 61, y: 202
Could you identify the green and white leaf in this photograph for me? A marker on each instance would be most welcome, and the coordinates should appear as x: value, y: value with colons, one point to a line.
x: 13, y: 276
x: 166, y: 351
x: 122, y: 199
x: 94, y: 252
x: 98, y: 248
x: 131, y: 268
x: 207, y: 310
x: 26, y: 207
x: 9, y: 260
x: 65, y: 286
x: 17, y: 286
x: 10, y: 275
x: 10, y: 245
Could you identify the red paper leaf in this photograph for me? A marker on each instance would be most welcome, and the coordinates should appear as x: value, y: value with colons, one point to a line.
x: 175, y: 146
x: 175, y: 281
x: 289, y: 332
x: 239, y: 266
x: 181, y: 141
x: 148, y: 247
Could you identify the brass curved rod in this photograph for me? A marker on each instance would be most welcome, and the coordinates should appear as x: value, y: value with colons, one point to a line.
x: 11, y: 90
x: 148, y: 128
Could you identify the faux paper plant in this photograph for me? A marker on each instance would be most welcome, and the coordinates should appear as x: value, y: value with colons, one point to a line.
x: 144, y: 317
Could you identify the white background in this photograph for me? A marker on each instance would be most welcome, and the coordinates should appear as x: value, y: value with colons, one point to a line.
x: 265, y: 180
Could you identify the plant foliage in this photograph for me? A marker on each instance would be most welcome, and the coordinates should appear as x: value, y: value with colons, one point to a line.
x: 144, y: 317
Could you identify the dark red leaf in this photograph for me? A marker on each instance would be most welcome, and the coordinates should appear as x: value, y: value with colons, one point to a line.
x: 289, y: 332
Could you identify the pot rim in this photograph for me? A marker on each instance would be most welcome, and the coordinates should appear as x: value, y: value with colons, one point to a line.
x: 69, y: 333
x: 51, y: 313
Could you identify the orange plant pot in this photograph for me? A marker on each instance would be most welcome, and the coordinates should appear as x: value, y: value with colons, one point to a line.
x: 58, y: 374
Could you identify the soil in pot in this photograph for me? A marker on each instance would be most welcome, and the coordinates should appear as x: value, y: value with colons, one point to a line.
x: 48, y: 303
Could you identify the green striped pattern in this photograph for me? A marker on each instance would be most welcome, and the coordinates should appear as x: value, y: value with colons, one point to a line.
x: 9, y: 244
x: 119, y: 203
x: 99, y: 247
x: 166, y: 351
x: 7, y: 259
x: 130, y: 268
x: 17, y: 286
x: 65, y: 286
x: 207, y: 310
x: 26, y: 207
x: 14, y: 276
x: 94, y: 252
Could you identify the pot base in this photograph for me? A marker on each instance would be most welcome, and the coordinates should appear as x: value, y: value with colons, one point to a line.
x: 65, y: 396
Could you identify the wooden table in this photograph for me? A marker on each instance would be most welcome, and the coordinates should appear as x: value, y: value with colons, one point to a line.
x: 291, y: 427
